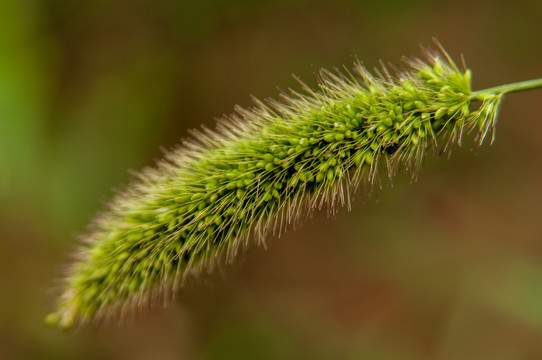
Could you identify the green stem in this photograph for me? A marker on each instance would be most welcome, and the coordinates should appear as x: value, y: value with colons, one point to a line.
x: 510, y: 88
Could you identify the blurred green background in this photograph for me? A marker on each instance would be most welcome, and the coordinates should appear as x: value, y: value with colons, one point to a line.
x: 449, y: 267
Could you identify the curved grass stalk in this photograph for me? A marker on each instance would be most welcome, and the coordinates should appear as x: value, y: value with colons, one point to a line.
x: 262, y: 169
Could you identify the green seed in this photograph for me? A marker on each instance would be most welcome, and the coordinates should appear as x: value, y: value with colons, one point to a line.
x: 440, y: 113
x: 330, y: 175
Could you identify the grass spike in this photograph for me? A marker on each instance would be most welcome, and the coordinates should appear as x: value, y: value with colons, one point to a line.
x: 264, y: 169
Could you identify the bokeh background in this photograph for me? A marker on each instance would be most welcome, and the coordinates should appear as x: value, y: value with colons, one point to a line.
x: 449, y: 267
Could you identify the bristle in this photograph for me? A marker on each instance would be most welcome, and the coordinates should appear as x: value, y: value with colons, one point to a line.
x: 261, y: 171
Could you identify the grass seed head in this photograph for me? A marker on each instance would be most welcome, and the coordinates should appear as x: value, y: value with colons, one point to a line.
x: 260, y: 170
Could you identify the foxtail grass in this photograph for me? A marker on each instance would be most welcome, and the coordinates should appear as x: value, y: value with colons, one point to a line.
x: 264, y: 168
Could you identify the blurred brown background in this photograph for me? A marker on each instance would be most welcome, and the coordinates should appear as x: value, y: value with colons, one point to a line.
x: 449, y: 267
